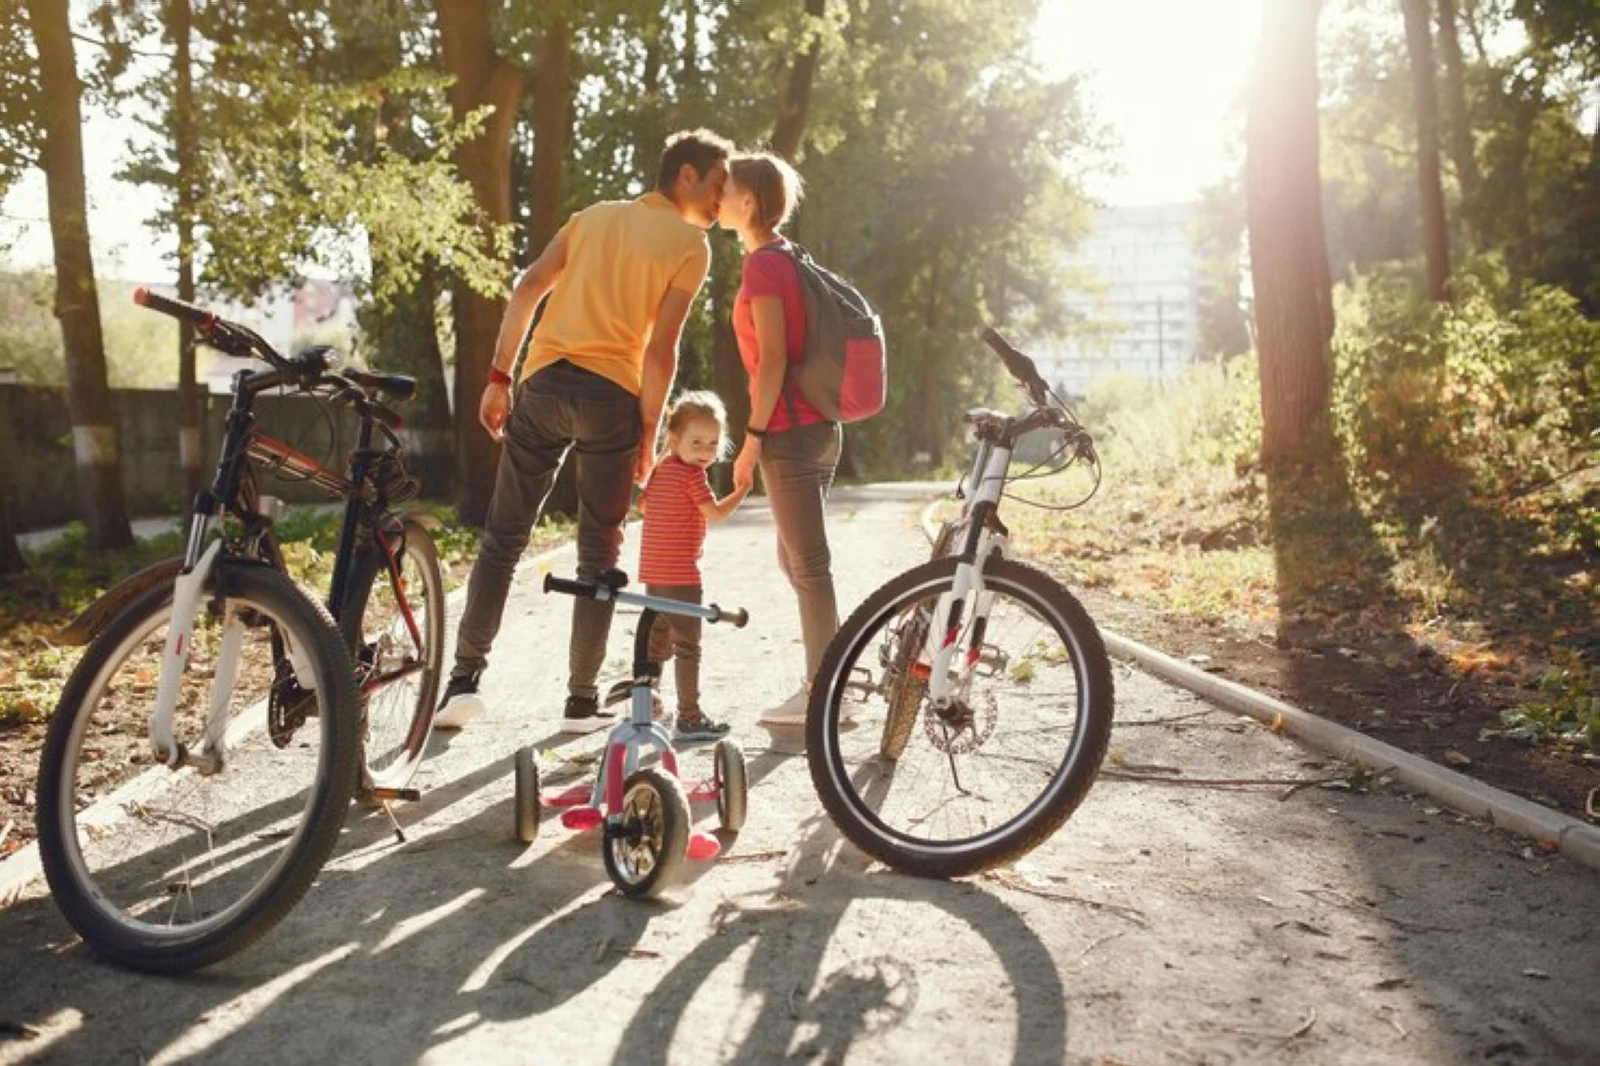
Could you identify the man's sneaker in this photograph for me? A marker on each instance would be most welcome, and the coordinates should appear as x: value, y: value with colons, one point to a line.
x: 461, y: 703
x: 791, y: 713
x: 583, y: 715
x: 700, y: 728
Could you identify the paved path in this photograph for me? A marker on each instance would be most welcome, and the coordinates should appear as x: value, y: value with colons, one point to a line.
x: 1164, y: 924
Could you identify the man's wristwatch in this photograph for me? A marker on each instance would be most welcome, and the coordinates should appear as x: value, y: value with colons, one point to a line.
x: 498, y: 376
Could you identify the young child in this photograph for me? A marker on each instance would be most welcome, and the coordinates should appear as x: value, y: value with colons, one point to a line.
x: 677, y: 504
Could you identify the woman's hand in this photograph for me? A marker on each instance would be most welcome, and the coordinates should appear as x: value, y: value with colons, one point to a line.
x: 493, y: 409
x: 744, y: 467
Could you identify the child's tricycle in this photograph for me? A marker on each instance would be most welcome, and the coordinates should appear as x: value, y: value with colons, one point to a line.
x: 643, y: 810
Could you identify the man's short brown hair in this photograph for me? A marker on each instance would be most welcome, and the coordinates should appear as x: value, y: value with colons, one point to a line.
x: 701, y: 149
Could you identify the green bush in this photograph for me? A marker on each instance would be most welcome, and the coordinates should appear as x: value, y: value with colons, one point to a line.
x: 1500, y: 384
x: 1210, y: 417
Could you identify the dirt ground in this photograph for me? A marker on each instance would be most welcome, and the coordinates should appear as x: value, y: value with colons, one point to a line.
x: 1395, y: 690
x: 1180, y: 917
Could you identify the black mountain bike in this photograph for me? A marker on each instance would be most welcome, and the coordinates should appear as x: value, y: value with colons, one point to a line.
x: 265, y: 710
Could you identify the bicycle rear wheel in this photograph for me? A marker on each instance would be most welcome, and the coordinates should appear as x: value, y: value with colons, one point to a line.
x: 943, y: 793
x: 393, y: 624
x: 168, y: 870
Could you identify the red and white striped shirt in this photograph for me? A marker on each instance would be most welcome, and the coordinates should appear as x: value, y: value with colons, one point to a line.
x: 674, y: 527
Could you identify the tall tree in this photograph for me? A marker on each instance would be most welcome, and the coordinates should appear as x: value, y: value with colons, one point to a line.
x: 1458, y: 119
x: 180, y: 26
x: 94, y: 427
x: 483, y: 79
x: 794, y: 92
x: 1288, y: 249
x: 1435, y: 237
x: 553, y: 89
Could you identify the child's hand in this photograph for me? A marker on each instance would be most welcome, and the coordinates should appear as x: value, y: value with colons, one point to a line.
x: 744, y: 467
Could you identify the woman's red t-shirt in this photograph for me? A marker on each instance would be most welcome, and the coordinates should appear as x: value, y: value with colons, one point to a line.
x: 768, y: 271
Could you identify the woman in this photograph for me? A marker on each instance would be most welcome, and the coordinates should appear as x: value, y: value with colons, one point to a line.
x: 796, y: 448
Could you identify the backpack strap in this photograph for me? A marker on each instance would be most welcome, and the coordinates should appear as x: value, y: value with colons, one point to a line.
x: 792, y: 252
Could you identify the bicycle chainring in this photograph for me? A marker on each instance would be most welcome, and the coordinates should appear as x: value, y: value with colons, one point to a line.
x: 288, y: 705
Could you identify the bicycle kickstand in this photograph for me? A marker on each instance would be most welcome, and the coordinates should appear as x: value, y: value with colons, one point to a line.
x: 386, y: 798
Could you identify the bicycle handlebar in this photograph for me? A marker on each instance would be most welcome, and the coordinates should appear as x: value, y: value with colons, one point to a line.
x: 737, y: 615
x: 176, y: 308
x: 1021, y: 367
x: 571, y: 588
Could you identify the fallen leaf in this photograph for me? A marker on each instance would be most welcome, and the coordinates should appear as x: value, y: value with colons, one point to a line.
x: 1452, y: 757
x: 1539, y: 975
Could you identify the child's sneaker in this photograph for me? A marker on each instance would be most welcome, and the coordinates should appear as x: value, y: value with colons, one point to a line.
x: 583, y: 715
x: 700, y: 728
x: 461, y: 703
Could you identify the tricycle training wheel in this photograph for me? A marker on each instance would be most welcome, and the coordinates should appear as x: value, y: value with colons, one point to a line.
x: 643, y: 853
x: 527, y: 798
x: 733, y: 785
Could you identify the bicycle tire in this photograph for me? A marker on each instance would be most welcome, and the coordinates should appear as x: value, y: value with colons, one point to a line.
x: 655, y: 808
x: 397, y: 718
x: 1069, y: 781
x: 245, y: 831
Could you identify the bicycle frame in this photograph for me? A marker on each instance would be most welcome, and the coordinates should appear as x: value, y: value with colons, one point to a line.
x: 629, y: 740
x: 233, y: 491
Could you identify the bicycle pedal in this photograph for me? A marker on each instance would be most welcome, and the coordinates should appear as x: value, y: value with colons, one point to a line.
x: 703, y: 847
x: 410, y: 795
x: 582, y: 819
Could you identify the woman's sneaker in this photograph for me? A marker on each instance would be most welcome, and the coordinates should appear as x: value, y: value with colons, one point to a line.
x: 700, y: 728
x: 461, y: 703
x: 790, y: 714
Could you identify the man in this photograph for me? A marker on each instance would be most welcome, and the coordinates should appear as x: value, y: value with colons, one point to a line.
x: 621, y: 277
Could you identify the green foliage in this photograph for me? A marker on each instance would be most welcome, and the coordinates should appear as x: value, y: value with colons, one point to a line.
x: 1211, y: 417
x: 1567, y: 711
x: 1501, y: 383
x: 141, y: 348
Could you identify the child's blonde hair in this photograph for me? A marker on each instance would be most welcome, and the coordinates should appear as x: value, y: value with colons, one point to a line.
x: 700, y: 403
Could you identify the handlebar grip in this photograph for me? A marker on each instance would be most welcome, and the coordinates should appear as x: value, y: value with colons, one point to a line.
x: 737, y: 615
x: 570, y: 588
x: 1022, y: 368
x: 168, y: 306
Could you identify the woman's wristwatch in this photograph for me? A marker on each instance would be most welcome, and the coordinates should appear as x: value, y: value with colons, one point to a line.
x: 498, y: 376
x: 758, y: 434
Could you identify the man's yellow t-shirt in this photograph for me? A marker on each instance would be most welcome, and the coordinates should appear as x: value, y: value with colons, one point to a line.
x: 622, y: 257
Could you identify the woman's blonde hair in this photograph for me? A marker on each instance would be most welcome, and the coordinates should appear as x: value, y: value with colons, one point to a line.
x: 775, y: 184
x: 701, y: 403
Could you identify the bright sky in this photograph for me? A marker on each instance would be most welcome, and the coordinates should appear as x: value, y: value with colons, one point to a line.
x: 1165, y: 76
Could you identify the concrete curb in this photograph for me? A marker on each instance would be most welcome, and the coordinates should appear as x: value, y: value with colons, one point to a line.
x: 24, y: 866
x: 1575, y: 840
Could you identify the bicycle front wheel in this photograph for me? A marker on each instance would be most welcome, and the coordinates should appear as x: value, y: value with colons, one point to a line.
x: 943, y: 792
x: 168, y: 870
x: 393, y: 624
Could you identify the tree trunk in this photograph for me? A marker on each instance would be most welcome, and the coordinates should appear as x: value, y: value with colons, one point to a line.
x: 552, y: 133
x: 405, y: 339
x: 794, y: 94
x: 1288, y: 248
x: 932, y: 417
x: 1462, y: 151
x: 11, y: 561
x: 94, y: 429
x: 481, y: 78
x: 1435, y: 237
x: 180, y: 21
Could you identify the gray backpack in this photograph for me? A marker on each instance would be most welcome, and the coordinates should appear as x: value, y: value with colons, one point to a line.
x: 843, y: 371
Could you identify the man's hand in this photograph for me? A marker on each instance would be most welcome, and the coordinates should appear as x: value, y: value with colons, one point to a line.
x: 647, y: 458
x: 494, y: 408
x: 744, y: 467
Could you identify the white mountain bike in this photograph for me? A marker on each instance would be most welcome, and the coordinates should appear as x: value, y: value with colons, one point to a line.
x: 978, y: 688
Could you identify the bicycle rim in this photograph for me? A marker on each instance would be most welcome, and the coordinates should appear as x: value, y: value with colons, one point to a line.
x: 988, y: 777
x: 167, y: 869
x: 398, y: 667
